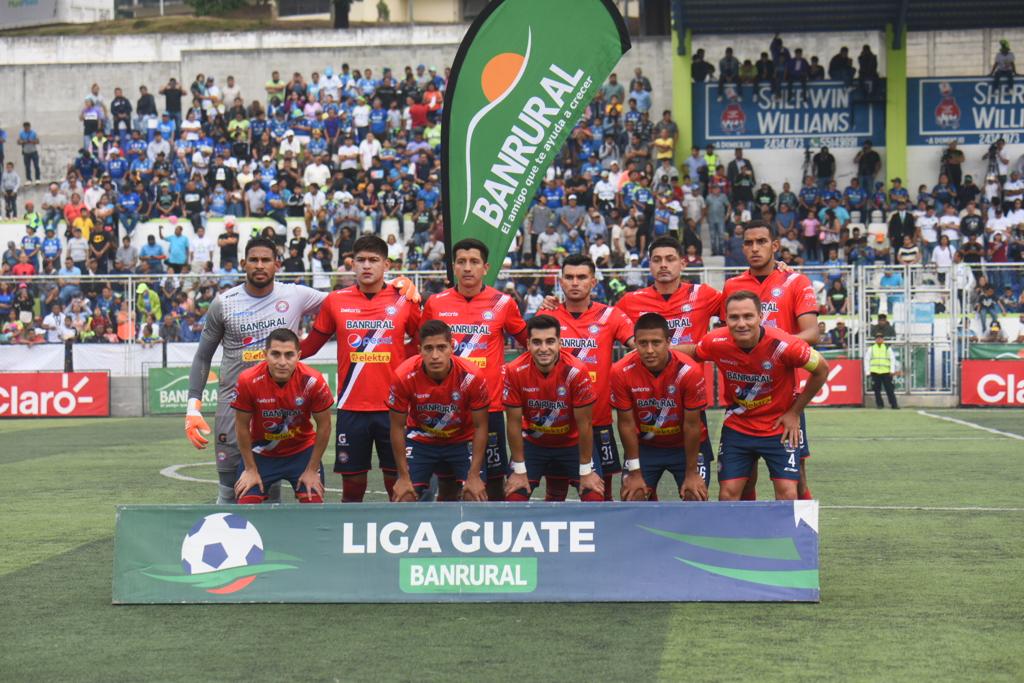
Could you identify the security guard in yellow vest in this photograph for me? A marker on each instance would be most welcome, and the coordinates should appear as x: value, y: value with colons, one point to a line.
x: 881, y: 365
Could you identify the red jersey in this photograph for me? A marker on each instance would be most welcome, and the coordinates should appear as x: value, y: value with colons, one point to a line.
x: 688, y: 310
x: 479, y: 326
x: 280, y: 415
x: 370, y: 332
x: 439, y: 412
x: 784, y: 297
x: 760, y: 383
x: 548, y: 400
x: 658, y: 401
x: 591, y: 338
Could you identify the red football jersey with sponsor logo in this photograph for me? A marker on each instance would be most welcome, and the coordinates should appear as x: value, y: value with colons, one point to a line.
x: 479, y: 326
x: 688, y: 310
x: 658, y: 401
x: 784, y: 297
x: 591, y: 338
x: 370, y: 332
x: 439, y: 412
x: 548, y: 400
x: 280, y: 424
x: 760, y: 383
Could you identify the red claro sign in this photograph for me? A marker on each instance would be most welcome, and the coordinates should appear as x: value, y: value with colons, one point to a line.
x: 845, y: 384
x: 992, y: 383
x: 54, y: 394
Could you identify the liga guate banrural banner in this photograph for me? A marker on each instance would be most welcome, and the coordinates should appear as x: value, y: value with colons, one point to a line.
x: 520, y: 81
x: 468, y: 552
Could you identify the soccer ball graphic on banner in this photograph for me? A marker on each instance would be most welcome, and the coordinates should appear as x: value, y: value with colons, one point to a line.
x: 221, y: 541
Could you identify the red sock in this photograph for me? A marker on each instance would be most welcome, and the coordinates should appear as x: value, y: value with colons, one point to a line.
x: 309, y: 497
x: 752, y: 495
x: 389, y: 486
x: 588, y: 496
x: 352, y: 490
x: 806, y: 495
x: 517, y: 497
x: 251, y: 500
x: 557, y: 489
x: 608, y: 479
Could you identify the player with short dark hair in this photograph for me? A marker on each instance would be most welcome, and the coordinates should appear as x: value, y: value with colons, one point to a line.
x: 549, y: 401
x: 659, y: 396
x: 480, y: 317
x: 438, y: 405
x: 371, y: 320
x: 788, y: 302
x: 273, y: 406
x: 589, y: 331
x: 762, y: 418
x: 240, y: 320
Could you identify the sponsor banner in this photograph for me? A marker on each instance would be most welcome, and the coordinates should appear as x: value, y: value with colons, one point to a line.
x: 831, y: 115
x: 519, y: 84
x: 28, y: 12
x: 456, y: 552
x: 168, y: 388
x: 54, y: 394
x: 992, y: 383
x: 996, y: 352
x: 966, y: 110
x: 844, y: 387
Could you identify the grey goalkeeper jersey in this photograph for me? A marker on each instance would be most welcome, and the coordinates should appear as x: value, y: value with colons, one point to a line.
x: 241, y: 323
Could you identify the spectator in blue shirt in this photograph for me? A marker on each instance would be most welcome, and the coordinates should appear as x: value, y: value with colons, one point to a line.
x: 28, y: 140
x: 51, y: 246
x: 429, y: 195
x: 30, y: 243
x: 854, y: 196
x: 117, y: 168
x: 68, y: 278
x: 797, y: 71
x: 128, y: 204
x: 177, y: 249
x: 153, y: 254
x: 86, y: 165
x: 642, y: 97
x: 274, y: 204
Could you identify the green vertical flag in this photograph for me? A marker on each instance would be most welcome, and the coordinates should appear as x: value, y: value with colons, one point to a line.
x: 523, y: 76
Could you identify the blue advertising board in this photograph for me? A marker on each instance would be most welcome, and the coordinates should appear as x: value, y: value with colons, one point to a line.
x: 969, y: 111
x: 832, y: 115
x: 474, y: 552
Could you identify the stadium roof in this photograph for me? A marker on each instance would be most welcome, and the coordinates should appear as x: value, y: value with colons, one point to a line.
x: 806, y: 16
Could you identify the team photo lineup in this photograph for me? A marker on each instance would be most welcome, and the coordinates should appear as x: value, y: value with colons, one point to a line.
x: 428, y: 390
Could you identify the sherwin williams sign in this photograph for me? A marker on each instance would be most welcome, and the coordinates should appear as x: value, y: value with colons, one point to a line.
x: 521, y: 79
x: 969, y: 111
x: 168, y: 389
x: 543, y: 552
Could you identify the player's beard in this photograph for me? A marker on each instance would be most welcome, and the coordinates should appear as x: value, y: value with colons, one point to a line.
x: 268, y: 280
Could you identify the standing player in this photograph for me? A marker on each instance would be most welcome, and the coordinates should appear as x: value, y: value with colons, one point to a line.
x: 480, y: 317
x: 442, y: 401
x: 371, y: 320
x: 240, y: 319
x: 549, y: 400
x: 659, y: 397
x: 762, y: 418
x: 273, y: 404
x: 589, y: 331
x: 788, y: 303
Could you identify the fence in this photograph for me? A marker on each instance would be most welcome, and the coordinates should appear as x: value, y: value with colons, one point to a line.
x: 935, y: 313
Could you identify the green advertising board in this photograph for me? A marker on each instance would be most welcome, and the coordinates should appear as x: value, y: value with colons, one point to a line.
x: 997, y: 352
x: 167, y: 389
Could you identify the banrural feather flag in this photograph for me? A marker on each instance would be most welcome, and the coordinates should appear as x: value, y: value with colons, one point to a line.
x: 521, y: 80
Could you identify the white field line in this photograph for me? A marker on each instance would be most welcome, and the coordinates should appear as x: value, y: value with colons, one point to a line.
x: 172, y: 472
x: 972, y: 425
x: 920, y: 508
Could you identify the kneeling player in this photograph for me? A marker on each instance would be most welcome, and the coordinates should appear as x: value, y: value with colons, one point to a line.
x: 763, y: 414
x: 659, y: 395
x: 548, y: 401
x: 442, y: 402
x: 273, y: 405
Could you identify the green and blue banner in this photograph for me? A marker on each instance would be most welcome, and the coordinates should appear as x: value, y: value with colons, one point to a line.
x: 969, y: 111
x: 520, y: 81
x: 455, y: 552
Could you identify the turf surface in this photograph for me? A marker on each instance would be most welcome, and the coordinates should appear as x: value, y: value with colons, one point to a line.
x: 907, y: 594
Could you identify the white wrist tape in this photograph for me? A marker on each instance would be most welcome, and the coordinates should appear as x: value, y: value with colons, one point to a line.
x: 518, y: 467
x: 633, y: 465
x: 586, y: 469
x: 195, y: 407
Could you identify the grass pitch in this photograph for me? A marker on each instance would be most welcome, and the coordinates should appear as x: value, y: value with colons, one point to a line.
x: 917, y: 582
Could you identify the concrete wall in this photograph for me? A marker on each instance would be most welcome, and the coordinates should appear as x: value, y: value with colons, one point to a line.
x: 127, y: 396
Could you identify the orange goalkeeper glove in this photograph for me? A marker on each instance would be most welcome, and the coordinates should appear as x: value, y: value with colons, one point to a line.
x: 195, y: 424
x: 406, y: 288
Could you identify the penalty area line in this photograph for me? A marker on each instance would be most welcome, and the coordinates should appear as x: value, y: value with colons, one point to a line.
x: 972, y: 425
x: 172, y: 472
x: 919, y: 508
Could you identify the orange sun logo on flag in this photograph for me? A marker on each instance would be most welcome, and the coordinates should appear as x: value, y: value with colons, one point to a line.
x: 499, y: 74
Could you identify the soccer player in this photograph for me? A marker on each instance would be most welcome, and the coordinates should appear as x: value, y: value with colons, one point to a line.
x: 788, y: 303
x: 371, y: 320
x: 274, y: 401
x: 549, y: 401
x: 480, y: 317
x: 659, y: 396
x: 240, y: 319
x: 589, y: 331
x: 438, y: 404
x: 762, y: 418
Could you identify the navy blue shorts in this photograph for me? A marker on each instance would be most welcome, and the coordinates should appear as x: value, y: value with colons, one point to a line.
x: 497, y: 451
x: 272, y: 470
x: 738, y: 454
x: 655, y: 461
x: 356, y: 433
x: 446, y: 461
x: 543, y: 461
x: 606, y: 451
